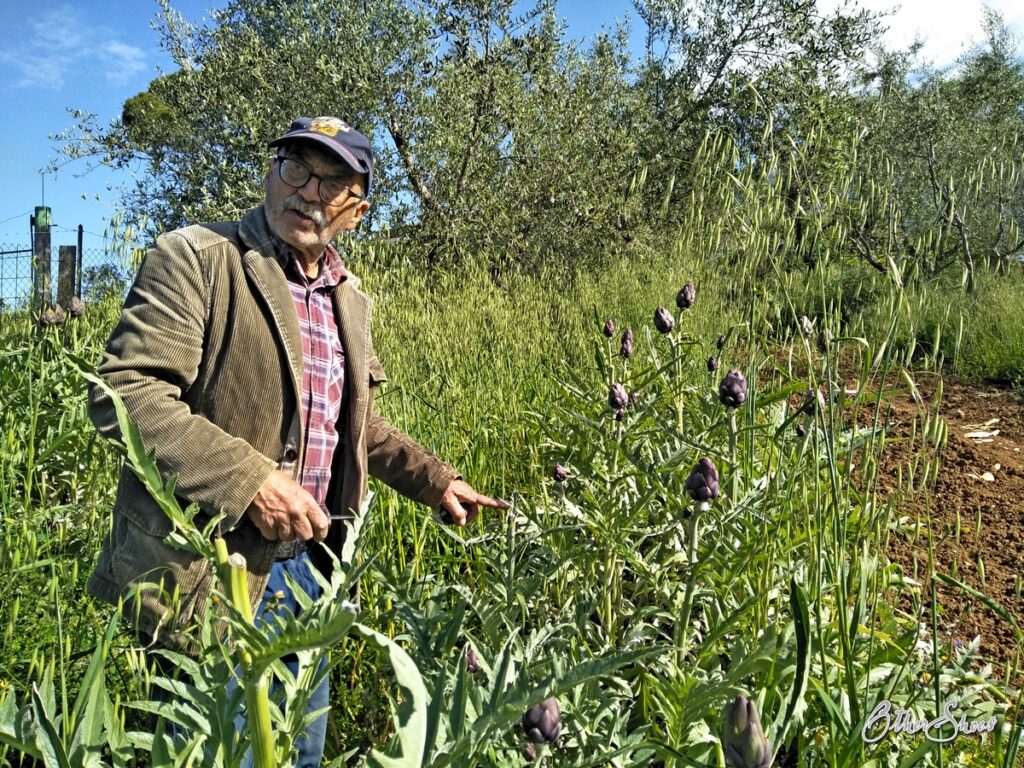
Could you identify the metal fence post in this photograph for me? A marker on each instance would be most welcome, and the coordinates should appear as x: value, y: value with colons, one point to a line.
x: 78, y: 272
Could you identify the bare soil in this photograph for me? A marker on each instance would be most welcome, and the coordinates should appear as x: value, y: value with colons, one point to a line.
x: 981, y: 479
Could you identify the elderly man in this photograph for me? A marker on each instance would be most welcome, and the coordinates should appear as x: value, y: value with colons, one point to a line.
x: 244, y: 355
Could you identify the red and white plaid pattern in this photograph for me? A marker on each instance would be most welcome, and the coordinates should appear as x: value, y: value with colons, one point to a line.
x: 323, y: 363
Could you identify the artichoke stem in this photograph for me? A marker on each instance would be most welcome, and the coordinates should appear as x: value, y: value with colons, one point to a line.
x: 261, y: 733
x: 691, y: 582
x: 734, y: 484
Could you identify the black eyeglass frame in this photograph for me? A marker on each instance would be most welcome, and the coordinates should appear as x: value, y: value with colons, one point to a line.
x: 319, y: 181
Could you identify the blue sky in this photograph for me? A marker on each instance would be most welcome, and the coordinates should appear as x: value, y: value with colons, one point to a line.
x: 94, y: 54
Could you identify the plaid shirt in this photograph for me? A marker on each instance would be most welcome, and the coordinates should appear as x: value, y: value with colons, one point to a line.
x: 323, y: 369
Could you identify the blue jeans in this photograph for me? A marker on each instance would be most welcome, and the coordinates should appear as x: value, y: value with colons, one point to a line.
x: 311, y: 745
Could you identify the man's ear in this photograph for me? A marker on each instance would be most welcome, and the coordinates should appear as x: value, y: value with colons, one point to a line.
x: 360, y: 211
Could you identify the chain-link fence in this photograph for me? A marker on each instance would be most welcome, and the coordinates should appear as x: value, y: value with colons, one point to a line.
x: 89, y: 274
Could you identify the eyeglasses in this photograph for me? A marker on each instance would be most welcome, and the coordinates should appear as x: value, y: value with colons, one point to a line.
x: 331, y: 189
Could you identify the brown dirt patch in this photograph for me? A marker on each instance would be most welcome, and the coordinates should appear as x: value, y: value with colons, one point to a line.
x: 960, y: 496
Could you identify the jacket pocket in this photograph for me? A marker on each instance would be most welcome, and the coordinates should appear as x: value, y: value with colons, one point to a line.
x: 135, y: 504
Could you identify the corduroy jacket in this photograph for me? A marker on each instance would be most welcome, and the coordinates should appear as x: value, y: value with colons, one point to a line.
x: 207, y: 357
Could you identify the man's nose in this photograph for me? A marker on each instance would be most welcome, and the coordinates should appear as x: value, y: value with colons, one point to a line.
x: 310, y: 191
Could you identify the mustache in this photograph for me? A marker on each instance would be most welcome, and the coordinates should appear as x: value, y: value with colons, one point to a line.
x: 297, y: 203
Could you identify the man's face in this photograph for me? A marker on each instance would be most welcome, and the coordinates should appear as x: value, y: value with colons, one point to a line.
x: 297, y: 214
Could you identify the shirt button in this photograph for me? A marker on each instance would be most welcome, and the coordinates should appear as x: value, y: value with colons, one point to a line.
x: 291, y: 454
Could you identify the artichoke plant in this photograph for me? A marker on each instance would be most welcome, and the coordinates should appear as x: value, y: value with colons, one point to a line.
x: 47, y: 318
x: 617, y: 397
x: 620, y: 414
x: 702, y: 484
x: 543, y: 722
x: 743, y: 739
x: 663, y: 320
x: 733, y: 389
x: 712, y: 364
x: 627, y: 343
x: 472, y: 661
x: 721, y: 341
x: 686, y: 296
x: 609, y: 328
x: 824, y: 339
x: 76, y: 307
x: 559, y: 473
x: 814, y: 402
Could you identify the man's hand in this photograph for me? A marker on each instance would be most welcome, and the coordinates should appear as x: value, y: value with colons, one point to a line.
x: 285, y: 510
x: 460, y: 503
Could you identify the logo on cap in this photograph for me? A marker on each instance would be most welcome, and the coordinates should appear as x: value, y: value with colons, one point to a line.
x: 329, y: 126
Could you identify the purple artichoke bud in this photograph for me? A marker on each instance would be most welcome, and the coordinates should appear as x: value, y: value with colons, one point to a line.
x: 743, y: 739
x: 58, y: 314
x: 814, y: 402
x: 617, y: 397
x: 721, y: 341
x: 620, y: 414
x: 529, y: 751
x: 543, y: 722
x: 824, y: 339
x: 47, y: 318
x: 800, y: 431
x: 559, y: 473
x: 806, y: 326
x: 609, y: 328
x: 702, y: 484
x: 76, y: 307
x: 712, y: 364
x: 733, y: 389
x: 686, y: 296
x: 472, y: 662
x: 634, y: 397
x: 663, y: 320
x: 627, y: 343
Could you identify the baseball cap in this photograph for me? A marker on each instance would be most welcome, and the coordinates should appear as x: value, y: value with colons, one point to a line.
x: 336, y: 135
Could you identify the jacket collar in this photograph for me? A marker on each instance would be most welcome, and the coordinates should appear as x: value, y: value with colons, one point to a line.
x: 353, y: 308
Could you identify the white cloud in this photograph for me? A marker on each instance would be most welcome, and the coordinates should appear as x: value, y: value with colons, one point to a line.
x: 61, y: 42
x: 123, y: 61
x: 948, y: 28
